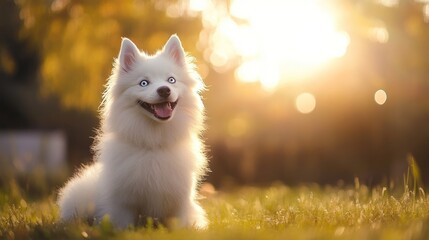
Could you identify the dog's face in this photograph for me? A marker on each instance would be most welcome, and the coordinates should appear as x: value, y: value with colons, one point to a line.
x: 154, y: 84
x: 153, y: 100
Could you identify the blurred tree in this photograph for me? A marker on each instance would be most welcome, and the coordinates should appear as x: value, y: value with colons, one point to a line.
x: 79, y: 39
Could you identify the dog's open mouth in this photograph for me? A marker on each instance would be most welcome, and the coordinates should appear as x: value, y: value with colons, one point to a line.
x: 161, y: 111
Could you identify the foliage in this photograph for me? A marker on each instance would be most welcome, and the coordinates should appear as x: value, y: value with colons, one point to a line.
x: 277, y: 212
x: 79, y: 40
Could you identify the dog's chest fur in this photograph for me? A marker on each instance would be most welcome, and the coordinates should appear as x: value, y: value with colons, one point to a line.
x: 153, y: 182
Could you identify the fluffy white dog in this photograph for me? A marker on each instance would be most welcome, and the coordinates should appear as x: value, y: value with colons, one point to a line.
x: 149, y: 155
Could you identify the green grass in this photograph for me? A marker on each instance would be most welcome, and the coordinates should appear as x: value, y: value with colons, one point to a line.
x: 277, y: 212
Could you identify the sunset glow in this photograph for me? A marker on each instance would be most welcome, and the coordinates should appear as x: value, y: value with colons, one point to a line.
x: 270, y: 41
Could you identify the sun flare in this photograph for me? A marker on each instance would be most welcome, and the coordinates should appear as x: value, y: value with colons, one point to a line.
x: 270, y: 41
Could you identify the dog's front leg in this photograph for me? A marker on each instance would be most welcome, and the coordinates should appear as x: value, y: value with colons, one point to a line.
x: 120, y: 216
x: 193, y: 215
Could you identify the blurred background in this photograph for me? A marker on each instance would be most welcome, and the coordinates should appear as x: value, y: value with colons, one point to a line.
x: 299, y: 90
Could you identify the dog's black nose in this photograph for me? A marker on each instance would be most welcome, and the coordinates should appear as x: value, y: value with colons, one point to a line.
x: 164, y: 91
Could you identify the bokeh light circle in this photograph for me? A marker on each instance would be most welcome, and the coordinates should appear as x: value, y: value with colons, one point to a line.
x: 305, y: 103
x: 380, y: 97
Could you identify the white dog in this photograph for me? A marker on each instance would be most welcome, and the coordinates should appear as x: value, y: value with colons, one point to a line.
x: 149, y: 155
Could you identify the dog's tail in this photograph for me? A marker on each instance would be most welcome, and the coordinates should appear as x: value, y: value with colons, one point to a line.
x: 78, y: 198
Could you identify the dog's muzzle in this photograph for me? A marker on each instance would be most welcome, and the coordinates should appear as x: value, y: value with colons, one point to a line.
x: 162, y: 111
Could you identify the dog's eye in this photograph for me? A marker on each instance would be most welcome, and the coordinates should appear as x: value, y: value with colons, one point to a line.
x: 144, y: 83
x: 171, y: 80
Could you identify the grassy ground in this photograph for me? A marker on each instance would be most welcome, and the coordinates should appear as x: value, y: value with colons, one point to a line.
x: 277, y: 212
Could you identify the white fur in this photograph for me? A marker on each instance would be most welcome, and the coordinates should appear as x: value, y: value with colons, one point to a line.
x: 144, y: 167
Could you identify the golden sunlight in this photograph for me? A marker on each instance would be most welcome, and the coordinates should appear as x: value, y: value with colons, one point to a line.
x: 238, y: 126
x: 270, y: 40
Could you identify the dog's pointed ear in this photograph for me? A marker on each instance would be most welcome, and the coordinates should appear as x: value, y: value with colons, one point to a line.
x: 175, y: 51
x: 128, y: 54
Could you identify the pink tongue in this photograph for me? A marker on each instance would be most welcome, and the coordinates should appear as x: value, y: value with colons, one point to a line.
x: 163, y: 110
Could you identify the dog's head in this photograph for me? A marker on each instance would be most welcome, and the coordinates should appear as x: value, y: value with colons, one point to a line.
x: 153, y: 99
x: 157, y: 84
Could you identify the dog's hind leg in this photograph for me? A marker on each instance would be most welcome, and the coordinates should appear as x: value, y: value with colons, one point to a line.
x: 78, y: 198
